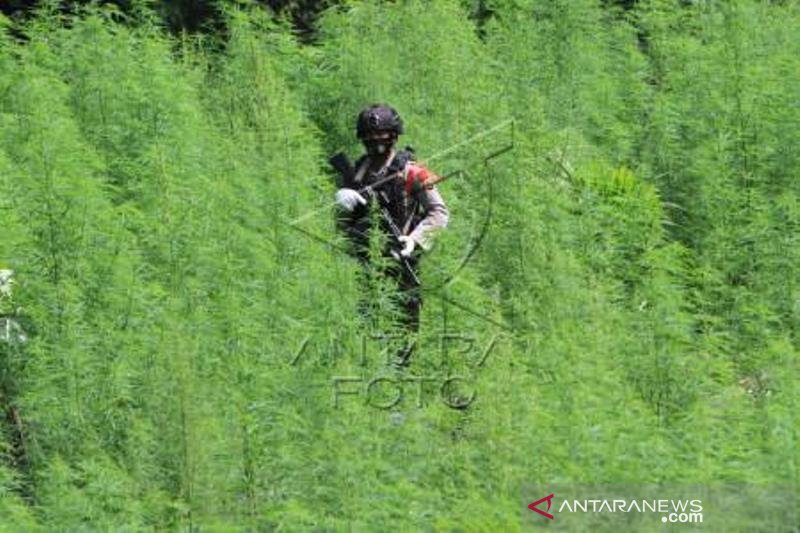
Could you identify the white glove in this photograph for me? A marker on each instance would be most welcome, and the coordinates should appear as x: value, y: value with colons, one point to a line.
x: 408, y: 245
x: 349, y: 199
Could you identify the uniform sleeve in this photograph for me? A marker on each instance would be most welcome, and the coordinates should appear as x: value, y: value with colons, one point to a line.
x: 355, y: 224
x: 437, y: 215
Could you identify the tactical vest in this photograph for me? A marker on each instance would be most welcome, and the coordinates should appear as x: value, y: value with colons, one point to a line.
x: 405, y: 210
x: 403, y: 204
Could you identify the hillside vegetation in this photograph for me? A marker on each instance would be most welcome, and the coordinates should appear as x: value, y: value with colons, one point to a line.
x: 618, y: 289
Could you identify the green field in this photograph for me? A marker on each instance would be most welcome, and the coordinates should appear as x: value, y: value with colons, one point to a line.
x: 617, y: 294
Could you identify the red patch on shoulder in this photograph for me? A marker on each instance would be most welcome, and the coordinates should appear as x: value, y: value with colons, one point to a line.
x: 416, y: 173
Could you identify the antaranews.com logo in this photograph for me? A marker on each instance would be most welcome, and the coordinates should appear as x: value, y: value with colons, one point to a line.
x: 672, y: 511
x: 680, y: 508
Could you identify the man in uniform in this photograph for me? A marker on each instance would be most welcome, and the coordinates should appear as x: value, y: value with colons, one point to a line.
x: 403, y: 191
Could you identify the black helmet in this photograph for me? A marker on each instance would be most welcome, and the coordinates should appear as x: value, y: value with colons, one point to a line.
x: 378, y: 118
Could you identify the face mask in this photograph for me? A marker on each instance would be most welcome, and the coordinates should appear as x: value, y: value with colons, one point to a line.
x: 378, y: 146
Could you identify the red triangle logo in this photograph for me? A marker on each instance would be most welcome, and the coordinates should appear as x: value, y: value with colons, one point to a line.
x: 549, y: 500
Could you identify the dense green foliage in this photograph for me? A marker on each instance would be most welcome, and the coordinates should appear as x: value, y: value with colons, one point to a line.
x: 165, y: 204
